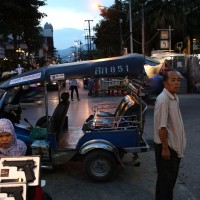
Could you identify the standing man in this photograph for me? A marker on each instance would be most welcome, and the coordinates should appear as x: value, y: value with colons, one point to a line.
x: 74, y: 86
x: 169, y: 136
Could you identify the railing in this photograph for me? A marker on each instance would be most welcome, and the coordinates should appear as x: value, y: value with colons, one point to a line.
x: 101, y: 107
x: 114, y: 123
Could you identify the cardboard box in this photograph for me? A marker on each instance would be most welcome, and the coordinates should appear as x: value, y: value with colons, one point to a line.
x: 20, y: 169
x: 13, y: 191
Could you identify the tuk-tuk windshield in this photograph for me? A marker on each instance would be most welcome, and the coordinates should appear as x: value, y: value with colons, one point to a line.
x: 12, y: 96
x: 1, y: 93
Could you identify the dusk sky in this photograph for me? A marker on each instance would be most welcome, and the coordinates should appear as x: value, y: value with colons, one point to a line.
x: 64, y: 14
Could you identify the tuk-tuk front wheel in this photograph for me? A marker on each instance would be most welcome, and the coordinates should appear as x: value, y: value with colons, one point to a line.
x: 100, y: 165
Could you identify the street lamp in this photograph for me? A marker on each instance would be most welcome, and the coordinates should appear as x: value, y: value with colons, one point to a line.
x: 76, y: 43
x: 70, y: 58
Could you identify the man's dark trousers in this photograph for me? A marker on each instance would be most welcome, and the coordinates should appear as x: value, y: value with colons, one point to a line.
x: 167, y: 172
x: 72, y: 91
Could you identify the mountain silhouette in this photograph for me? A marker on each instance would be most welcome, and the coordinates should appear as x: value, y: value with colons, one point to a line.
x: 66, y: 42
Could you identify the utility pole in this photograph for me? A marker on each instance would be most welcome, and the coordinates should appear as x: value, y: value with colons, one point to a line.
x: 143, y: 37
x: 170, y: 38
x: 130, y: 24
x: 89, y: 38
x: 121, y: 40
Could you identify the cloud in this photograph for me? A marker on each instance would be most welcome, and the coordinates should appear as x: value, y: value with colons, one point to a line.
x: 67, y: 18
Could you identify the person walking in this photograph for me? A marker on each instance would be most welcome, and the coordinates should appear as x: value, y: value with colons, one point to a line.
x: 74, y: 86
x: 169, y: 136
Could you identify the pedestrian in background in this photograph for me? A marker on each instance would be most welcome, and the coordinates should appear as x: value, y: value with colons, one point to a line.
x: 91, y: 86
x: 169, y: 136
x: 74, y: 86
x: 19, y: 69
x: 96, y: 87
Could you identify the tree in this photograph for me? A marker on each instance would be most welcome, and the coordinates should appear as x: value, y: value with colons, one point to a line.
x: 192, y: 23
x: 181, y: 15
x: 107, y: 32
x: 21, y: 19
x: 168, y: 13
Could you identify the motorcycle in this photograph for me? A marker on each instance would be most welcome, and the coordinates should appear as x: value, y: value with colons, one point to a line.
x: 105, y: 137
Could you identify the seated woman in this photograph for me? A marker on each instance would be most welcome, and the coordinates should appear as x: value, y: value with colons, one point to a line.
x: 9, y: 144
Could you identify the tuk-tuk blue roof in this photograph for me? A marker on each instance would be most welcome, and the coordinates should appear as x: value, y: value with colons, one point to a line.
x: 121, y: 66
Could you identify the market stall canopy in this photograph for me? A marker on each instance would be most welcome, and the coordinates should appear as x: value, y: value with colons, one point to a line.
x: 121, y: 66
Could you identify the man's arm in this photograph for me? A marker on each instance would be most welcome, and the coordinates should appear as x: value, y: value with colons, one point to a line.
x: 165, y: 147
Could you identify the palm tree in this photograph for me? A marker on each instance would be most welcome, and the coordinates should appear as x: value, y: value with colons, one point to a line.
x: 181, y: 15
x: 192, y: 23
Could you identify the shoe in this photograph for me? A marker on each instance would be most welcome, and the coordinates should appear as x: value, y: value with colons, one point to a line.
x: 72, y: 99
x: 135, y: 156
x: 137, y: 164
x: 78, y: 99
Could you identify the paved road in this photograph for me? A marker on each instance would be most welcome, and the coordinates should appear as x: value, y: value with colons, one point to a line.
x: 69, y: 182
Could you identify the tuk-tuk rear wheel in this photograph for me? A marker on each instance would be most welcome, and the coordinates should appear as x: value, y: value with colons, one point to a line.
x: 100, y: 165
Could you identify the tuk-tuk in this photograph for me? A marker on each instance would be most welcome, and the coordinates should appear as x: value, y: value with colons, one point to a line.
x: 104, y: 138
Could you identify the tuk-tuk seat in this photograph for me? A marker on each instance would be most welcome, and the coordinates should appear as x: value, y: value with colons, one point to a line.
x: 57, y: 121
x: 127, y: 107
x: 119, y: 110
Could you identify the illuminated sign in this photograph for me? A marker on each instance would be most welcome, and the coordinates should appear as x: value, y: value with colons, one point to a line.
x: 57, y: 77
x: 164, y: 44
x: 25, y: 78
x: 164, y: 35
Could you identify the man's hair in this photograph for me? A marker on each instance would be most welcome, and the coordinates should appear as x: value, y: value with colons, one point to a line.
x: 166, y: 75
